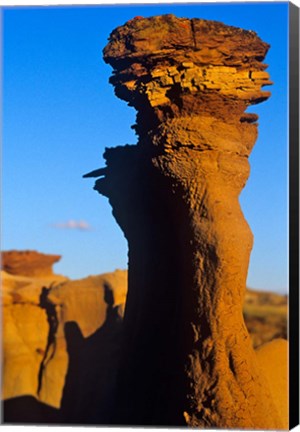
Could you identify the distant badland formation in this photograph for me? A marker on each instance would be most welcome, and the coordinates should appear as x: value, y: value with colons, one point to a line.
x: 182, y: 355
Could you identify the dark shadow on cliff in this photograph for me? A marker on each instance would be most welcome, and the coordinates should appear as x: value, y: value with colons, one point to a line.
x: 151, y: 383
x: 53, y: 326
x: 26, y: 409
x: 93, y: 362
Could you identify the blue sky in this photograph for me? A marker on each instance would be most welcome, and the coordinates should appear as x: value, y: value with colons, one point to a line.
x: 60, y: 112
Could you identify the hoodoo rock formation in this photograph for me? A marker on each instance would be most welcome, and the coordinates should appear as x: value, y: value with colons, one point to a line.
x: 187, y: 356
x: 28, y: 263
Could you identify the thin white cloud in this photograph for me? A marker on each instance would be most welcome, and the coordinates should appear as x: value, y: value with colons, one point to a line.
x: 73, y: 225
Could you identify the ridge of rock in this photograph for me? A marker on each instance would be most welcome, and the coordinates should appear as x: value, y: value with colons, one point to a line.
x: 28, y: 263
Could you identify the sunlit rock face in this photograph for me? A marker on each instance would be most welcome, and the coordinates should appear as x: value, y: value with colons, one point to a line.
x: 25, y: 334
x: 60, y: 343
x: 187, y: 357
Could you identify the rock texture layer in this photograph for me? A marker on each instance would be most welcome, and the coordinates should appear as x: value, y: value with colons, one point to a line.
x: 187, y: 356
x: 28, y: 263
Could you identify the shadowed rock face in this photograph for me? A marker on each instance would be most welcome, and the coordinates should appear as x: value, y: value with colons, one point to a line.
x: 187, y: 356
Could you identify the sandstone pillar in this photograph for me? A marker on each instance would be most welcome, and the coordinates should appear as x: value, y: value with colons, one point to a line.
x: 187, y: 356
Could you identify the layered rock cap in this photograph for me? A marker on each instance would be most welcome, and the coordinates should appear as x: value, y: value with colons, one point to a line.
x: 28, y: 263
x: 168, y: 67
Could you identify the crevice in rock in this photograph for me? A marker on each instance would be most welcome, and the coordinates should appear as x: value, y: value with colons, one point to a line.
x: 52, y: 319
x: 193, y: 33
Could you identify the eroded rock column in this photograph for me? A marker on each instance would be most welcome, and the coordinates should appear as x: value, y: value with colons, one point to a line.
x: 187, y: 356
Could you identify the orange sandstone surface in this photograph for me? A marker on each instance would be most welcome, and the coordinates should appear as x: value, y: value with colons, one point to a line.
x: 61, y: 346
x: 28, y: 263
x: 187, y: 357
x: 60, y: 343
